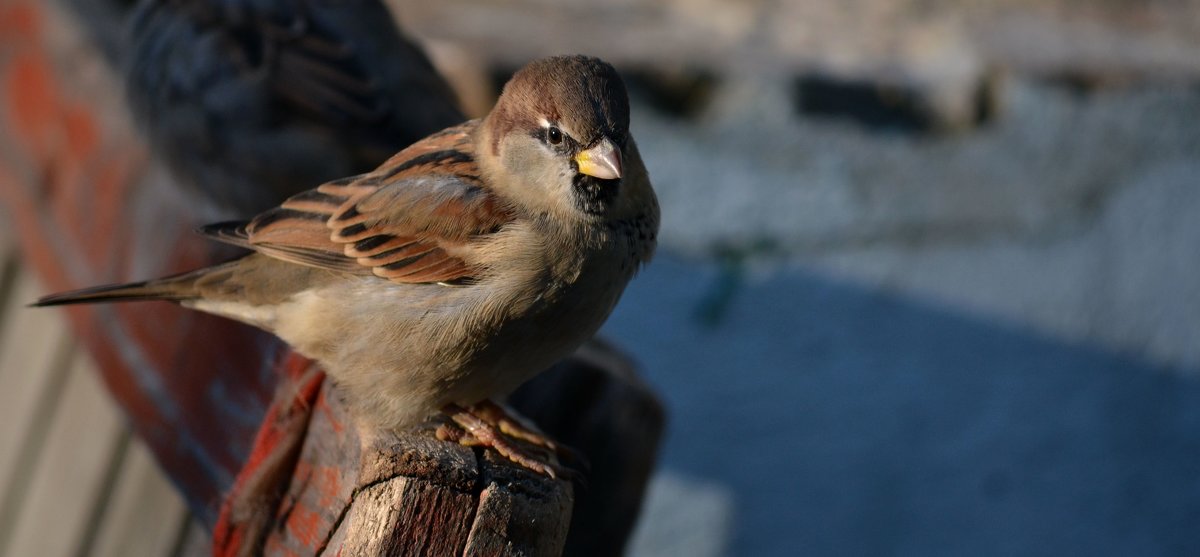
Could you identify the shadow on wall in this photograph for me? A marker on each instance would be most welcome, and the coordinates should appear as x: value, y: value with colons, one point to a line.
x: 847, y: 421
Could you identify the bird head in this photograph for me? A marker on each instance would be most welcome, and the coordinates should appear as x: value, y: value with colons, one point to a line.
x: 559, y: 137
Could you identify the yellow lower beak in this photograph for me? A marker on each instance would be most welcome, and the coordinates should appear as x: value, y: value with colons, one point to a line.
x: 602, y: 161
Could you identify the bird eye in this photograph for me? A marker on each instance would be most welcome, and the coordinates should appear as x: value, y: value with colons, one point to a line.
x: 554, y: 135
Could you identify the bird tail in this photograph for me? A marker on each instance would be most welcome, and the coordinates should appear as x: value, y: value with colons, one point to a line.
x: 173, y: 289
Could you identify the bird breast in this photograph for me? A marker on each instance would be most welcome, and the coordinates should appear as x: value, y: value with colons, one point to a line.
x: 406, y: 350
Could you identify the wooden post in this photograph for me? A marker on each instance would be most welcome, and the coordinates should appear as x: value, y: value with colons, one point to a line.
x: 346, y: 492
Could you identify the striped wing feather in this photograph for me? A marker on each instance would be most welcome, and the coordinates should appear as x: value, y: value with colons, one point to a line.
x: 409, y: 221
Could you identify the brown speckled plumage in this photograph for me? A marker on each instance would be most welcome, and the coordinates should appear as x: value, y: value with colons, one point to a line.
x: 451, y: 273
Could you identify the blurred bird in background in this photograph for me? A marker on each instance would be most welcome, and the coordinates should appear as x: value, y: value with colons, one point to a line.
x: 251, y: 102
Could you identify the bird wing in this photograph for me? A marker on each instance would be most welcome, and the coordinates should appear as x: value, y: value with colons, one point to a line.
x: 409, y: 221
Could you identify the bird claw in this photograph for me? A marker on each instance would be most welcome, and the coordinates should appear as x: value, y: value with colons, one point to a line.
x: 487, y: 424
x: 517, y: 427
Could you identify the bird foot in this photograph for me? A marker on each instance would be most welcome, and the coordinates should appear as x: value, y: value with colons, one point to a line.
x: 488, y: 424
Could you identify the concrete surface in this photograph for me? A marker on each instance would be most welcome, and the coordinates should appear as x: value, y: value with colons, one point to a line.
x: 908, y: 39
x: 842, y: 420
x: 1071, y: 214
x: 882, y: 342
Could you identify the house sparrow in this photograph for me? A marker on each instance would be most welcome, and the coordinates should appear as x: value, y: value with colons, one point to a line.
x: 460, y: 268
x: 252, y: 101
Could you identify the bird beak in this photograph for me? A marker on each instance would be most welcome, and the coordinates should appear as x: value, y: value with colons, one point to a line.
x: 602, y: 161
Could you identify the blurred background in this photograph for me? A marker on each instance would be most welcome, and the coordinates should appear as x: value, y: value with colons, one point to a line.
x: 927, y: 277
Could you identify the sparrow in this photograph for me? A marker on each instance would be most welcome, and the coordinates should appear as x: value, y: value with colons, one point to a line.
x: 460, y: 268
x: 252, y: 101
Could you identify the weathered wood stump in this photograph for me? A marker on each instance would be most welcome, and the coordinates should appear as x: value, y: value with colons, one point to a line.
x: 335, y: 490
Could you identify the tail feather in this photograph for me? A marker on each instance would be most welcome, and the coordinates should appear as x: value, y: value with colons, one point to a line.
x: 163, y: 289
x: 230, y: 232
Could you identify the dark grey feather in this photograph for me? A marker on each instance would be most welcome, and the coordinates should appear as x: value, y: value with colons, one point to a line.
x: 251, y: 101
